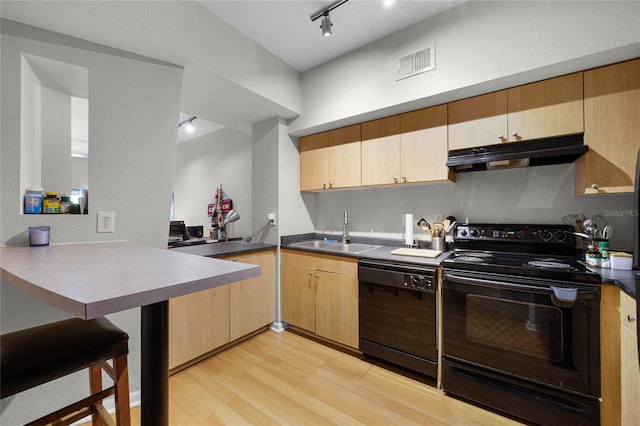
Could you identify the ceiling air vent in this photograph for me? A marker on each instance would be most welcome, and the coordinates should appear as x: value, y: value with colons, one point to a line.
x: 416, y: 63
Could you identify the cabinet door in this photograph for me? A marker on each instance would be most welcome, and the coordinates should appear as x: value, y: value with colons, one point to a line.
x: 423, y: 145
x: 546, y: 108
x: 198, y: 323
x: 629, y: 366
x: 478, y: 121
x: 298, y: 296
x: 344, y: 157
x: 252, y: 301
x: 611, y: 112
x: 381, y: 151
x: 629, y: 379
x: 337, y: 308
x: 314, y: 162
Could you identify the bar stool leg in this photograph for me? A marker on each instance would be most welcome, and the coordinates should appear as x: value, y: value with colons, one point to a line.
x: 123, y: 415
x: 95, y: 380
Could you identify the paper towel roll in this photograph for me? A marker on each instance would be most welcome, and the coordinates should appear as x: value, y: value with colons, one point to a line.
x: 407, y: 229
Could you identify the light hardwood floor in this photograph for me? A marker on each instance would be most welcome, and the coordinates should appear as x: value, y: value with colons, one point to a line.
x: 285, y: 379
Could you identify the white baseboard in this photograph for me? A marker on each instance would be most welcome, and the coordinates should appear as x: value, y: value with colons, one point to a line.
x: 277, y: 327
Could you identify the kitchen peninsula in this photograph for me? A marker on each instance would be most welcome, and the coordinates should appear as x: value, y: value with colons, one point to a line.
x: 90, y: 280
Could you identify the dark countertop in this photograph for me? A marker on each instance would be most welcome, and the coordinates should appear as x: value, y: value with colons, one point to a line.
x: 223, y: 249
x: 626, y: 280
x: 383, y: 252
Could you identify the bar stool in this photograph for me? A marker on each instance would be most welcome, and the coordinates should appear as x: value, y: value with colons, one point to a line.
x: 41, y: 354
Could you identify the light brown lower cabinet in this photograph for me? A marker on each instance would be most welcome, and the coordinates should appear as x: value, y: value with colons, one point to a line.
x: 620, y: 370
x: 319, y: 294
x: 253, y: 302
x: 629, y: 365
x: 202, y: 322
x: 198, y: 323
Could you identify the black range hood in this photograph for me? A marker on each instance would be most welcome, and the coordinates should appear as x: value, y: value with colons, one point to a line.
x: 538, y: 152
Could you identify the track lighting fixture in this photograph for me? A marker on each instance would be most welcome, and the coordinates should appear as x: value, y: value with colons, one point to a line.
x: 326, y: 23
x: 188, y: 124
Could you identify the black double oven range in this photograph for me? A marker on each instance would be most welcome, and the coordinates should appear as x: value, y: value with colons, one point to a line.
x: 520, y: 324
x: 519, y: 318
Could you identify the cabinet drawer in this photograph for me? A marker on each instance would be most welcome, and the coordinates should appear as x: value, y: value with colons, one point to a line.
x: 321, y: 262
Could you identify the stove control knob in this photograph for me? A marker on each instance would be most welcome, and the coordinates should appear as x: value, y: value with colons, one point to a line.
x: 463, y: 232
x: 417, y: 281
x: 545, y: 235
x: 560, y: 235
x: 475, y: 233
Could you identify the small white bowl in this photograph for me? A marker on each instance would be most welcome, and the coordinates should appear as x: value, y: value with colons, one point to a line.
x: 621, y: 260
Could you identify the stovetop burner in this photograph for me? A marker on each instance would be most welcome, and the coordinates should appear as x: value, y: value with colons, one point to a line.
x: 537, y: 251
x: 550, y: 264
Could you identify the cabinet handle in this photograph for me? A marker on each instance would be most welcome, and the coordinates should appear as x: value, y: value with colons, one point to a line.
x: 395, y: 179
x: 324, y: 185
x: 404, y: 178
x: 631, y: 318
x: 330, y: 185
x: 595, y: 186
x: 501, y: 137
x: 514, y: 134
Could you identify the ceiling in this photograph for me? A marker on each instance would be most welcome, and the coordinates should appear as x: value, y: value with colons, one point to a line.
x: 283, y: 28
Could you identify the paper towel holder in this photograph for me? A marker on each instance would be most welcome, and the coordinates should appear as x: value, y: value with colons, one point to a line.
x: 407, y: 230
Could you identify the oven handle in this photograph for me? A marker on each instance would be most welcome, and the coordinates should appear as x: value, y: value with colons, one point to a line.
x: 562, y: 297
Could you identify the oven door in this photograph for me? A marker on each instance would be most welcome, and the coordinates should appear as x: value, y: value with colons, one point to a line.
x: 510, y: 326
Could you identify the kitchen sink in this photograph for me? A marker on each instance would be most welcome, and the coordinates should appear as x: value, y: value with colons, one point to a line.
x: 321, y: 245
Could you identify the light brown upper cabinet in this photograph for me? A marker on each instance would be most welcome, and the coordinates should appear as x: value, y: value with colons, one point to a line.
x: 543, y: 109
x: 478, y: 121
x: 612, y: 129
x: 406, y: 148
x: 330, y: 160
x: 381, y: 151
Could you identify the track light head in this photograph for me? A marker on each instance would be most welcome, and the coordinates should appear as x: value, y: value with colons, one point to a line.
x: 326, y: 24
x: 188, y: 124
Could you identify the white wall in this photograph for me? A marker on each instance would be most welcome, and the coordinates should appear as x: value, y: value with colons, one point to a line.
x: 480, y: 47
x: 133, y: 133
x: 266, y: 178
x: 30, y: 129
x: 218, y: 158
x: 56, y: 141
x: 541, y: 194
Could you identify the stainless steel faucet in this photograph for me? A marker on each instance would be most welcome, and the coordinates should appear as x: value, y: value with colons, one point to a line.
x: 345, y: 235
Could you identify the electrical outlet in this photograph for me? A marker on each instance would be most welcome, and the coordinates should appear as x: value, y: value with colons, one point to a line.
x: 106, y: 222
x: 272, y: 218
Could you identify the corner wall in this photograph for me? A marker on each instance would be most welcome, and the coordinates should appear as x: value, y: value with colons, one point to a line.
x: 132, y: 133
x: 219, y: 158
x: 480, y: 46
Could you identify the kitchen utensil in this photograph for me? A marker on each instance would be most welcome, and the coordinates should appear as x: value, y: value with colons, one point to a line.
x: 580, y: 234
x: 599, y: 221
x: 607, y: 232
x: 574, y: 220
x: 424, y: 225
x: 451, y: 226
x: 437, y: 230
x: 590, y: 228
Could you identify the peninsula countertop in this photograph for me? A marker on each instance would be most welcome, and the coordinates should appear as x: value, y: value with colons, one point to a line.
x: 89, y: 280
